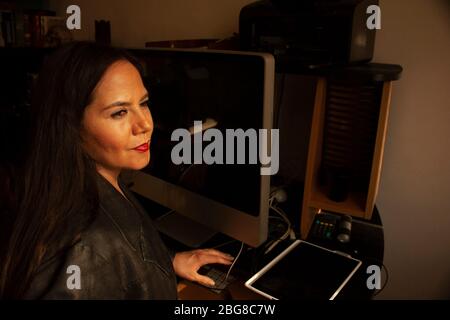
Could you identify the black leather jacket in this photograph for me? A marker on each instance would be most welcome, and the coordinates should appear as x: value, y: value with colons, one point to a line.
x: 120, y: 256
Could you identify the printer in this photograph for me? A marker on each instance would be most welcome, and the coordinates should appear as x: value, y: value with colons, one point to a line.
x: 308, y: 33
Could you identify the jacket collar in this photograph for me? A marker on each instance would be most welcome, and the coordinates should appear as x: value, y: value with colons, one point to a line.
x: 125, y: 213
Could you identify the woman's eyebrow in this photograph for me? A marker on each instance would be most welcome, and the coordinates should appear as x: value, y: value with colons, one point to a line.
x: 118, y: 104
x: 124, y: 103
x: 145, y: 96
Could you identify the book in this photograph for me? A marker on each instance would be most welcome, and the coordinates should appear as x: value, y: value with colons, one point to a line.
x: 7, y: 27
x: 54, y: 30
x: 32, y: 27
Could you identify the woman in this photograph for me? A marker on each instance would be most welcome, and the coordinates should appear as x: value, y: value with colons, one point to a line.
x: 78, y: 231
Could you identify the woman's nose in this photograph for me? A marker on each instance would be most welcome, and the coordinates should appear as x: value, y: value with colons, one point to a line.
x: 143, y: 122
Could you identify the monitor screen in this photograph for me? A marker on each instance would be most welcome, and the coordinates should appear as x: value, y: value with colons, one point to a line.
x: 209, y: 109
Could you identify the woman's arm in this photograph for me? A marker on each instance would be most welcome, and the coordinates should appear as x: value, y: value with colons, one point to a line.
x: 78, y: 274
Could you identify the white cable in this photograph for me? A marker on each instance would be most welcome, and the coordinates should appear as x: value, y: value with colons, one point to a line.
x: 224, y: 244
x: 288, y: 231
x: 235, y: 259
x: 271, y: 200
x: 165, y: 214
x: 283, y: 215
x: 277, y: 218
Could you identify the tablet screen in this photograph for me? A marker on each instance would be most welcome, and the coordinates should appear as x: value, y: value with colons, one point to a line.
x: 304, y: 271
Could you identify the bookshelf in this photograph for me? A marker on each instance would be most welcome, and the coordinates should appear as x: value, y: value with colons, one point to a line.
x: 30, y: 24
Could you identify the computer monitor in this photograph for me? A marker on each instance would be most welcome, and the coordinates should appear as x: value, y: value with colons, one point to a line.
x: 224, y: 90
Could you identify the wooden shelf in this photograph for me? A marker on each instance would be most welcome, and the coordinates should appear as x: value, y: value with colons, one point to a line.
x: 315, y: 198
x: 354, y: 204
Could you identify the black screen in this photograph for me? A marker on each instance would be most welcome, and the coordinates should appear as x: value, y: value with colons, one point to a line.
x: 186, y: 87
x: 306, y: 272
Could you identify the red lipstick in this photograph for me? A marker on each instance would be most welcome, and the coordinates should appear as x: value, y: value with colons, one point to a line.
x: 143, y: 147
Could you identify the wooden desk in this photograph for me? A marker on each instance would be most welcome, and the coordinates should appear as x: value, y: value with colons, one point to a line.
x: 366, y: 244
x: 236, y: 291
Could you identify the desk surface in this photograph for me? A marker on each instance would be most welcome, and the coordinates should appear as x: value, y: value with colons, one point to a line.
x: 236, y: 291
x: 367, y: 245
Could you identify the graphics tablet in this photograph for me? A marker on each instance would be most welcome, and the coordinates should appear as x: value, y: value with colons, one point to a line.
x: 304, y: 271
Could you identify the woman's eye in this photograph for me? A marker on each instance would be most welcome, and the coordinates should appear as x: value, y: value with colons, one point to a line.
x: 119, y: 114
x: 144, y: 104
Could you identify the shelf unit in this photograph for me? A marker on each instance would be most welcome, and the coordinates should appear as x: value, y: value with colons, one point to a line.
x: 357, y: 203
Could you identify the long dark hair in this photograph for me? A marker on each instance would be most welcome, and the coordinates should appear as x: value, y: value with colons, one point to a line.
x: 57, y: 197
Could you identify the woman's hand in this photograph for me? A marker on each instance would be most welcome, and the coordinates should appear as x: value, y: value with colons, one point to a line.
x: 187, y: 264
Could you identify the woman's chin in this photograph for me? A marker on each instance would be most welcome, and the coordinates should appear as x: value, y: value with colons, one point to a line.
x: 139, y: 164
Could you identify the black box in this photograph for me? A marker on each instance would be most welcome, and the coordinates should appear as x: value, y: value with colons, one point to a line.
x: 308, y: 32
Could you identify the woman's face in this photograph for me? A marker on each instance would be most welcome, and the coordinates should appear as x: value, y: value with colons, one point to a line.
x: 117, y: 124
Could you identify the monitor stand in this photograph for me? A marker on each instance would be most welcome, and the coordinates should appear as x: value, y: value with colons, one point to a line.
x: 184, y: 230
